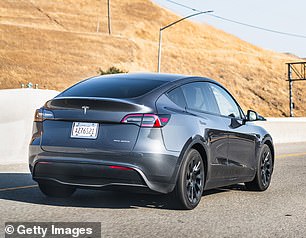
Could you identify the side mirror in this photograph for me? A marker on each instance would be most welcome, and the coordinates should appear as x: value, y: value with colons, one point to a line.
x: 254, y: 116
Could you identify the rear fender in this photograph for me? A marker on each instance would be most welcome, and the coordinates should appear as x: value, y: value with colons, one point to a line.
x: 192, y: 141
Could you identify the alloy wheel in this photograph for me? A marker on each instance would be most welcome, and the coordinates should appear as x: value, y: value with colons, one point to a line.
x: 194, y: 179
x: 266, y: 168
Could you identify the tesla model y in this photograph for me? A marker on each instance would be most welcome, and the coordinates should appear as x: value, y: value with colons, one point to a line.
x: 164, y: 133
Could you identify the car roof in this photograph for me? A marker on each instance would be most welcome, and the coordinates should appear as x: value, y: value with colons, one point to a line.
x: 170, y: 81
x: 146, y: 76
x: 166, y: 77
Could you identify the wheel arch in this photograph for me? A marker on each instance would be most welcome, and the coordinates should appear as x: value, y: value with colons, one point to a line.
x: 200, y: 148
x: 198, y: 143
x: 269, y: 143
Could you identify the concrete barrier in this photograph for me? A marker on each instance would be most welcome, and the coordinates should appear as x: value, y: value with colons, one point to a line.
x: 17, y: 107
x: 285, y: 130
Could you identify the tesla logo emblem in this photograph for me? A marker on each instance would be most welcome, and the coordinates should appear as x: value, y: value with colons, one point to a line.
x: 85, y: 108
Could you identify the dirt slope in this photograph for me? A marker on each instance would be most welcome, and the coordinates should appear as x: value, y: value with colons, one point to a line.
x: 55, y: 44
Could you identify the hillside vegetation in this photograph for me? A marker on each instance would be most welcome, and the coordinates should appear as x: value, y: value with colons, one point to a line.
x: 55, y: 44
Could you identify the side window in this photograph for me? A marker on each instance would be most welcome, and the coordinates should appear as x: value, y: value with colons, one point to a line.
x: 226, y: 104
x: 198, y: 97
x: 194, y: 96
x: 177, y: 96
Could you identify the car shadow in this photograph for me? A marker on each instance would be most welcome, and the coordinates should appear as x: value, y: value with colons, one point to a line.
x: 20, y: 187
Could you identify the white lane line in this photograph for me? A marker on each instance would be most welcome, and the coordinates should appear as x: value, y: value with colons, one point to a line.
x: 16, y: 188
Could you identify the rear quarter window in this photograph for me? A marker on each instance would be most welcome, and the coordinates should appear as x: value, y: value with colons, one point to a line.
x: 177, y: 96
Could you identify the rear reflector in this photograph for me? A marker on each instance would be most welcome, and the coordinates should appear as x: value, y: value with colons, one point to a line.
x: 147, y: 120
x: 120, y: 167
x: 44, y: 162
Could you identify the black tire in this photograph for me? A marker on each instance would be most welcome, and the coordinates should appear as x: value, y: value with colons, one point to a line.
x: 51, y: 189
x: 264, y: 171
x: 190, y: 182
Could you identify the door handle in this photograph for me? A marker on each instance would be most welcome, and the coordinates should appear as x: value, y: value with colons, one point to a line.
x: 202, y: 122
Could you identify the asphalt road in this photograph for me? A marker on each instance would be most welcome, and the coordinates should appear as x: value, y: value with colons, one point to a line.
x: 228, y: 212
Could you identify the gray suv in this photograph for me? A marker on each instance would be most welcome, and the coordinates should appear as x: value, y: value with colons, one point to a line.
x: 148, y: 132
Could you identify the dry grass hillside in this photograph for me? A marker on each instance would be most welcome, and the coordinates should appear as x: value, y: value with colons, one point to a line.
x: 55, y: 44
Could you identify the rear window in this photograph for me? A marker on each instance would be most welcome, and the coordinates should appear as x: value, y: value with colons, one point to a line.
x: 112, y: 88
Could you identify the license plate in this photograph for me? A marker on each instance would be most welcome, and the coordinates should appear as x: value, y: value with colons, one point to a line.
x: 84, y: 130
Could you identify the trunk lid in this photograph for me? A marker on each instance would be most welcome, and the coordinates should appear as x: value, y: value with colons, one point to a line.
x: 105, y: 113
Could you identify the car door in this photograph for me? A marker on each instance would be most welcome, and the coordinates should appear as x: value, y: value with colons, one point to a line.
x: 202, y: 104
x: 241, y: 141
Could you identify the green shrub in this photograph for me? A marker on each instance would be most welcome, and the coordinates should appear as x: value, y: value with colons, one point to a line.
x: 111, y: 70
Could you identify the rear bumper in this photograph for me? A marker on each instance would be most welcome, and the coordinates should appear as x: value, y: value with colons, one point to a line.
x: 81, y: 174
x: 156, y: 172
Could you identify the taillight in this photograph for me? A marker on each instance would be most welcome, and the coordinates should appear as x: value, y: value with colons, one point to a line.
x: 133, y: 119
x: 147, y: 120
x: 150, y: 120
x: 42, y: 114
